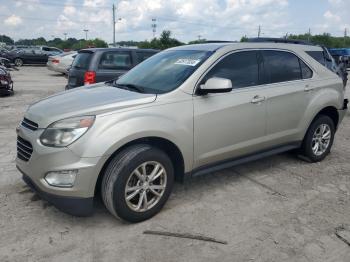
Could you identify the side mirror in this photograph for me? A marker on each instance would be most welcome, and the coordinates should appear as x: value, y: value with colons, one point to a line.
x: 216, y: 85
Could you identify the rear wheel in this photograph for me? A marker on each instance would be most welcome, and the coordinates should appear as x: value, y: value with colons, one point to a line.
x: 18, y: 62
x: 137, y: 183
x: 319, y: 139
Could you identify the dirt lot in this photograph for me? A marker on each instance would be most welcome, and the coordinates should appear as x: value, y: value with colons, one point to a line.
x: 276, y: 209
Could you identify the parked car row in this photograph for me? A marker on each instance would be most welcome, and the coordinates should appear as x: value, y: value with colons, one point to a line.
x: 32, y: 55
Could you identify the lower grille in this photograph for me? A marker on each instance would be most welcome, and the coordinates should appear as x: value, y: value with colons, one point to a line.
x: 24, y: 149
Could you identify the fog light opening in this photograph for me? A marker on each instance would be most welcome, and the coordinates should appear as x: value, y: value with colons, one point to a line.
x: 63, y: 178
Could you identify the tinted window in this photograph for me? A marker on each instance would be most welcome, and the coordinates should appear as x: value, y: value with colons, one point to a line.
x: 318, y: 56
x: 281, y: 66
x: 141, y: 56
x: 305, y: 70
x: 241, y: 68
x: 82, y: 60
x: 115, y: 60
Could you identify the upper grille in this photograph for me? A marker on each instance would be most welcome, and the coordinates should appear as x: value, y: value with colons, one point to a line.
x: 29, y: 124
x: 24, y: 149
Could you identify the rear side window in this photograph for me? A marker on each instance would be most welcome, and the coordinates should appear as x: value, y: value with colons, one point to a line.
x: 306, y: 72
x: 82, y: 60
x: 241, y: 68
x: 115, y: 60
x: 281, y: 66
x: 141, y: 56
x: 318, y: 56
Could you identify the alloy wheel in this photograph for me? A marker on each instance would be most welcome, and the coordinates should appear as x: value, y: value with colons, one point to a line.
x: 321, y: 139
x: 145, y: 186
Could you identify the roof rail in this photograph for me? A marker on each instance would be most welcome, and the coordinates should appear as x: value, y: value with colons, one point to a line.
x: 217, y: 41
x: 279, y: 40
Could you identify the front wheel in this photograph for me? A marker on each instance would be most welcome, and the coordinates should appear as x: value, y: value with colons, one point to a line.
x: 318, y: 139
x: 18, y: 62
x: 137, y: 183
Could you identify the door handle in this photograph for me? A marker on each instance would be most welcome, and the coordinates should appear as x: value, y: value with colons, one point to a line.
x: 307, y: 88
x: 257, y: 99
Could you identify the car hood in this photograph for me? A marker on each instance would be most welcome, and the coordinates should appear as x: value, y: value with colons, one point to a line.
x: 87, y: 100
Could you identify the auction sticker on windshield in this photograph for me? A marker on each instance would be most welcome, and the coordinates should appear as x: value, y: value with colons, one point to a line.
x: 188, y: 62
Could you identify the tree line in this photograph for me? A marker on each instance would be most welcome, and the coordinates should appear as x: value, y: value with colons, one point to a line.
x: 164, y: 41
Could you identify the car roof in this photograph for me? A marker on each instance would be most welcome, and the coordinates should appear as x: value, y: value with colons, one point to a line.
x: 245, y: 45
x: 93, y: 50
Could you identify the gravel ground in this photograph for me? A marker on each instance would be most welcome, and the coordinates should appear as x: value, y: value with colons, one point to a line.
x: 276, y: 209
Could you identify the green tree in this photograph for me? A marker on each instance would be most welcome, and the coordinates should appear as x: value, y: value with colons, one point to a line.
x: 163, y: 42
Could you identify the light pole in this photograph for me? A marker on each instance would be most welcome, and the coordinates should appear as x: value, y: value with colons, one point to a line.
x: 65, y: 36
x: 86, y: 32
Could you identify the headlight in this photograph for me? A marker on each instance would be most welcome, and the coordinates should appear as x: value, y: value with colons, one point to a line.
x: 64, y: 132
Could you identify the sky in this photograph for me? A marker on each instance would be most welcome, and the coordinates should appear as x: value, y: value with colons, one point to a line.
x: 187, y: 19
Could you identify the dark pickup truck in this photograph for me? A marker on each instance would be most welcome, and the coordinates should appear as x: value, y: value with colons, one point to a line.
x: 103, y: 64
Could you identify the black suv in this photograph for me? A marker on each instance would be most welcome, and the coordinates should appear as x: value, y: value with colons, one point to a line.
x: 103, y: 64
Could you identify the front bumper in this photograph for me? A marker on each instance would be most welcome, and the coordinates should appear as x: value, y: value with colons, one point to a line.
x: 45, y: 159
x: 75, y: 206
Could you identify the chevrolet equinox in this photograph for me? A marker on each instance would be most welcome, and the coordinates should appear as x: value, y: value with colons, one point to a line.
x: 185, y: 111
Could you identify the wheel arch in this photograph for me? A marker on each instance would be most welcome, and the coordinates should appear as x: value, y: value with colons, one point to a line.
x: 170, y: 148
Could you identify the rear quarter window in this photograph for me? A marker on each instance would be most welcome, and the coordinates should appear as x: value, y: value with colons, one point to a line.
x: 115, y: 60
x: 318, y: 56
x: 82, y: 60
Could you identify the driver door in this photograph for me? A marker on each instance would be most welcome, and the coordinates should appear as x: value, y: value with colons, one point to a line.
x: 229, y: 125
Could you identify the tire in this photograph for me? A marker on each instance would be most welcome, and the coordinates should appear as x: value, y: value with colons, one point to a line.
x: 313, y: 137
x: 18, y: 62
x: 120, y: 178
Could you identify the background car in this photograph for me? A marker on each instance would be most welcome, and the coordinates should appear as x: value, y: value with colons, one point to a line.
x: 60, y: 63
x: 6, y: 83
x: 103, y: 64
x: 33, y: 55
x: 337, y: 53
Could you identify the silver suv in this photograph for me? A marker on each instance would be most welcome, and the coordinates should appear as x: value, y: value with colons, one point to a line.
x: 186, y: 111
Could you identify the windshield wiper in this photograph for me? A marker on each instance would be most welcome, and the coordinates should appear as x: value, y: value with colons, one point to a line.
x: 130, y: 87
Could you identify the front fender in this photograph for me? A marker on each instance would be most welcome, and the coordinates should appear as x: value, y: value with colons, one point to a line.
x: 111, y: 132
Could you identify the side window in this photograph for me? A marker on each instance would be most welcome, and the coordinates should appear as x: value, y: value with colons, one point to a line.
x: 141, y: 56
x: 46, y: 49
x: 318, y: 56
x: 241, y: 68
x: 281, y: 66
x: 305, y: 70
x: 115, y: 60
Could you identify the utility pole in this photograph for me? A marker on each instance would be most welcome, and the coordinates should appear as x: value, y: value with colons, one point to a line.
x: 86, y: 31
x: 113, y: 9
x: 199, y: 37
x: 309, y: 35
x: 154, y: 26
x: 345, y: 36
x: 259, y: 31
x: 65, y: 36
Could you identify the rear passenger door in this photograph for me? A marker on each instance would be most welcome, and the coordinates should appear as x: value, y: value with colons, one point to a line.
x: 113, y: 64
x: 288, y: 91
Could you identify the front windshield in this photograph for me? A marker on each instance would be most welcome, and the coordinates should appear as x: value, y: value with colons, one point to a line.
x: 165, y: 71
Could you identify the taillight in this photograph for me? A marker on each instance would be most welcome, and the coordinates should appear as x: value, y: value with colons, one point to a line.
x: 55, y: 61
x: 89, y: 77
